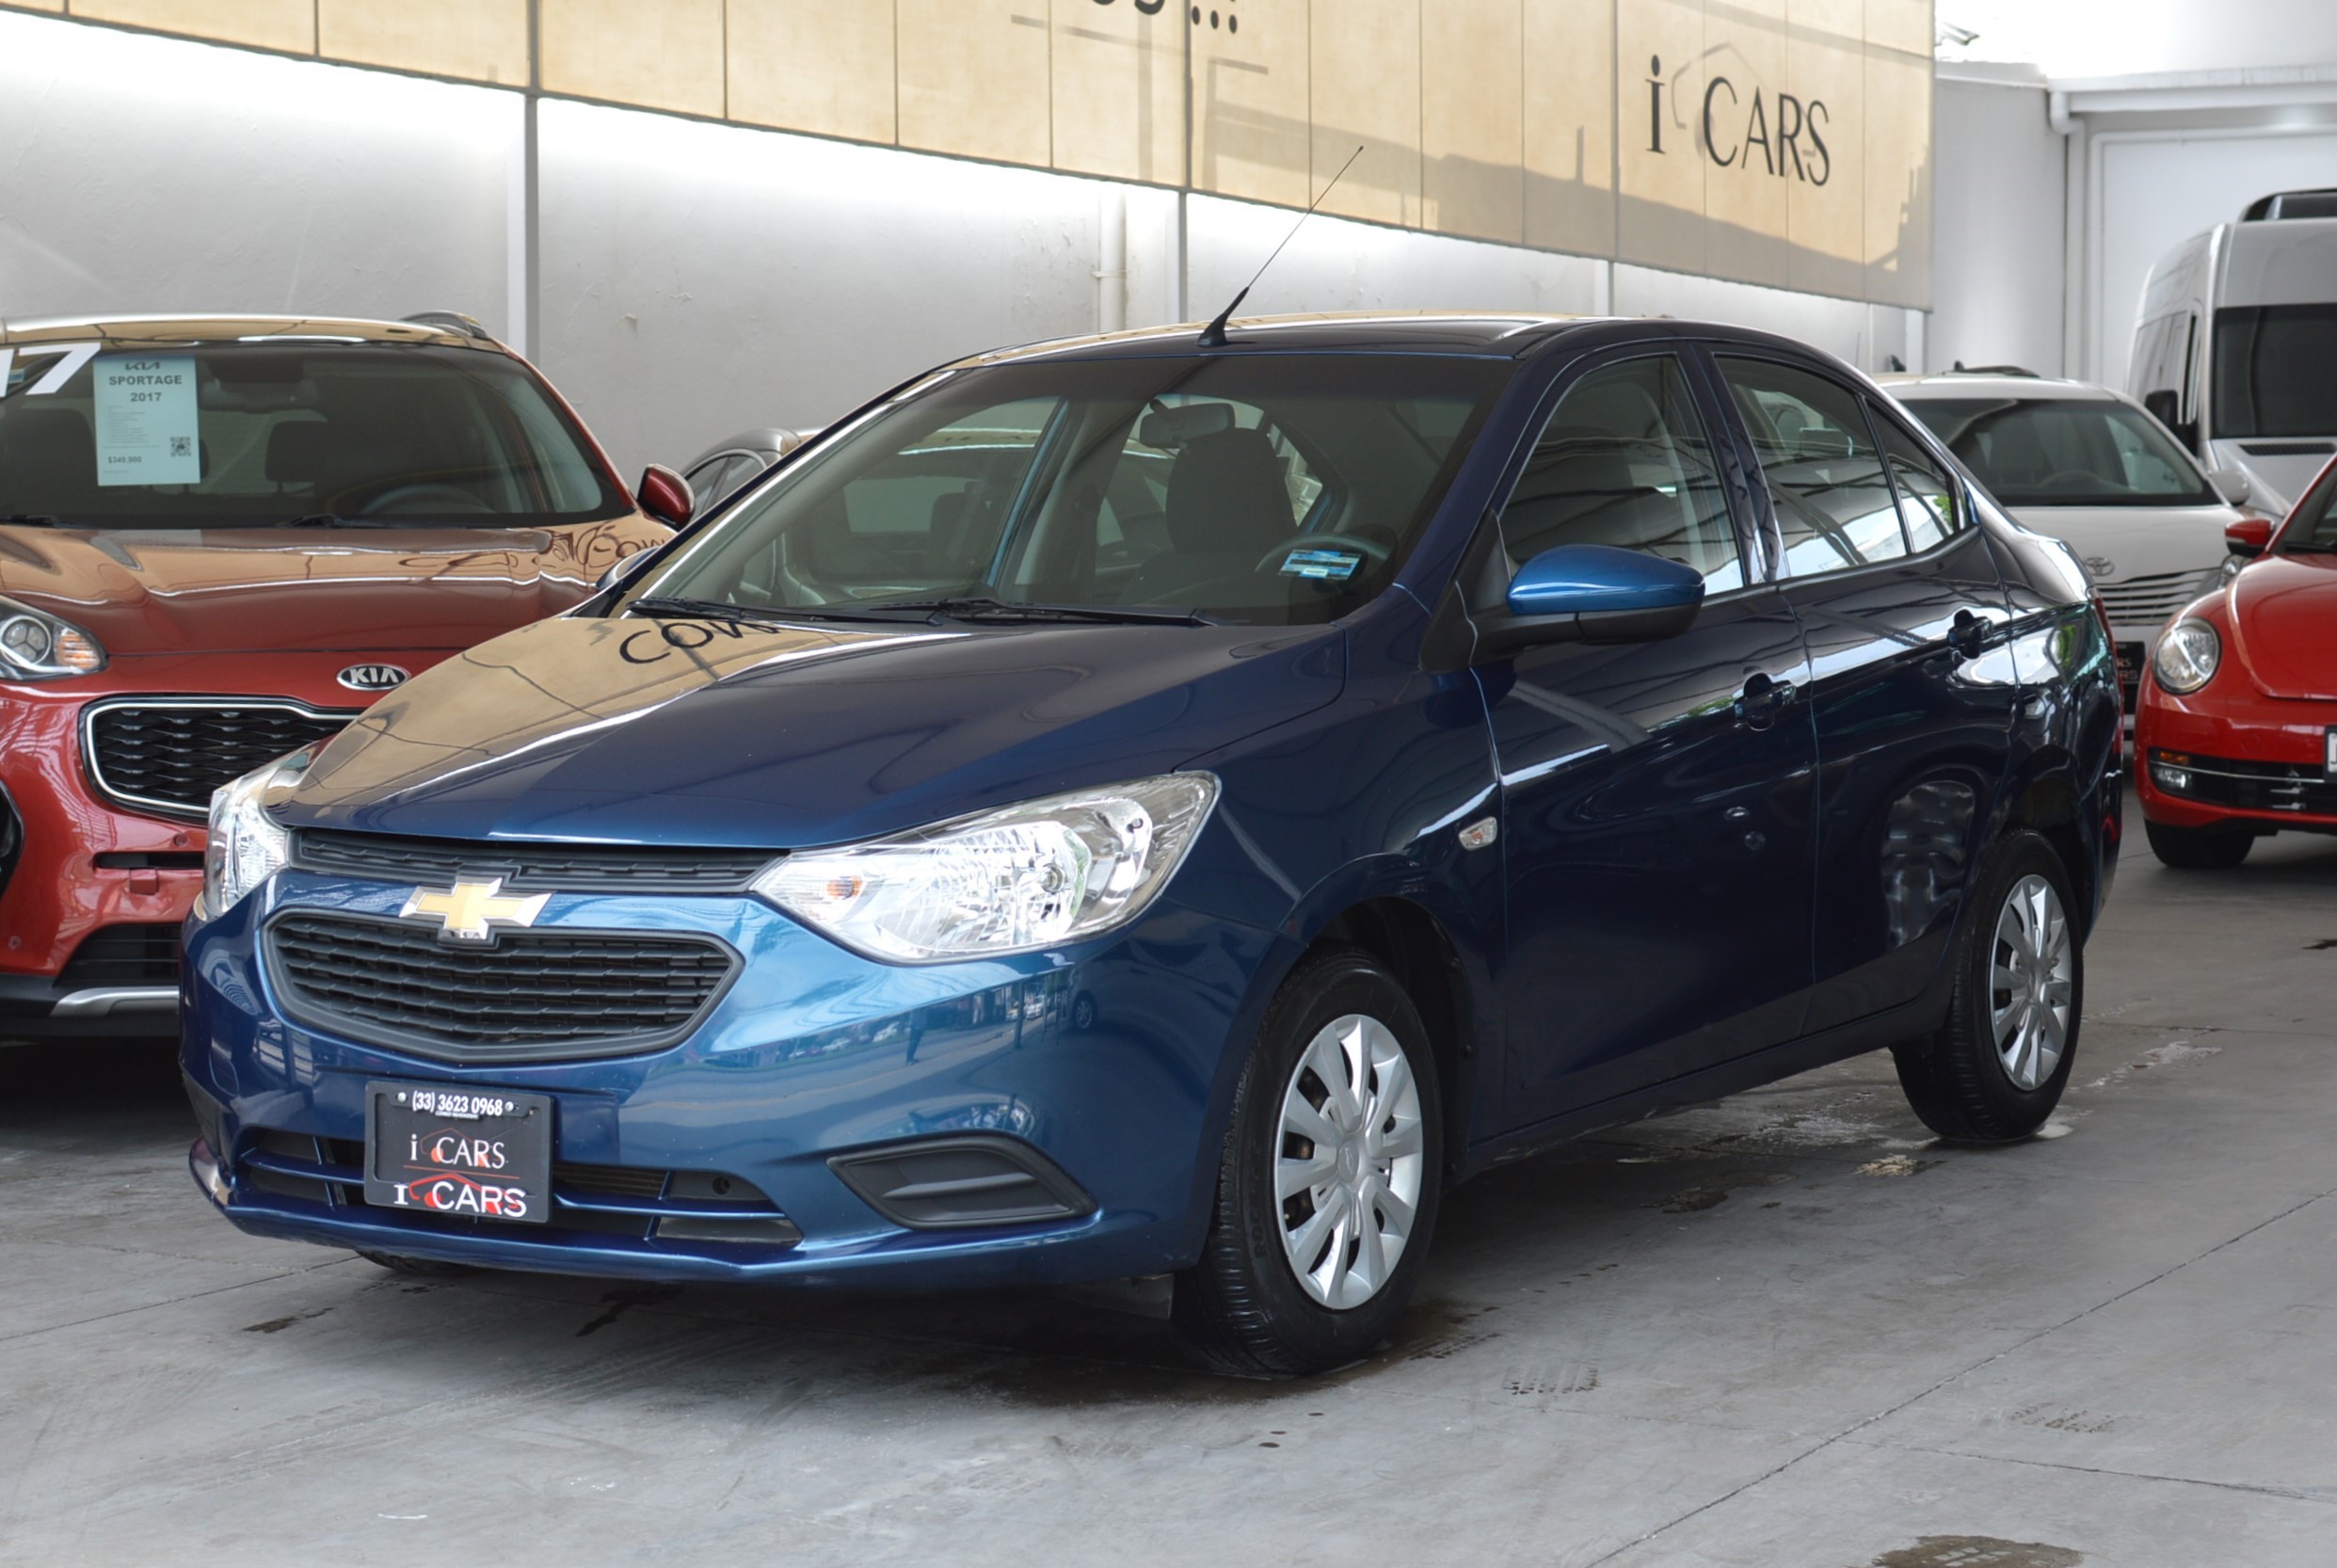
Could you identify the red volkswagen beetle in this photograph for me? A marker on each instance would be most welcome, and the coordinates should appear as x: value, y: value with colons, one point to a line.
x: 2237, y: 727
x: 221, y: 538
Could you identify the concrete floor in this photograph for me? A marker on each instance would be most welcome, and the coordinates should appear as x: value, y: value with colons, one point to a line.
x: 1786, y: 1331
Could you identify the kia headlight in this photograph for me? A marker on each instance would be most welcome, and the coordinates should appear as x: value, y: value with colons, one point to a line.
x: 1041, y: 874
x: 2187, y: 656
x: 246, y: 846
x: 37, y: 646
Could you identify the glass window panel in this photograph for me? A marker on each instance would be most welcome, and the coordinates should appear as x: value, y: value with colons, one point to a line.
x: 1826, y: 481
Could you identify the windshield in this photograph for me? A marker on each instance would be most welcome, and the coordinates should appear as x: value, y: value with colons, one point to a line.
x: 2065, y: 450
x: 2312, y: 528
x: 238, y: 435
x: 1265, y: 489
x: 2271, y: 370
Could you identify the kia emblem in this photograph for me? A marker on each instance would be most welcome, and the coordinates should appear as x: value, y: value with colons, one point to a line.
x: 373, y: 677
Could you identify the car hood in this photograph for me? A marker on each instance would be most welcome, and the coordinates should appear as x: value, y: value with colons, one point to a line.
x: 2120, y: 543
x: 785, y: 736
x: 2283, y: 624
x: 275, y: 590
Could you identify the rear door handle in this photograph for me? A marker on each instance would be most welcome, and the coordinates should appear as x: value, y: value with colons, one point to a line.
x: 1763, y: 699
x: 1967, y: 634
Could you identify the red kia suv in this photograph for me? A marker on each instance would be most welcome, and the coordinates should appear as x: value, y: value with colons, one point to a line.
x: 221, y: 538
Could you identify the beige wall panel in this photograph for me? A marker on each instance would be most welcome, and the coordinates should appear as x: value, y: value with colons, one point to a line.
x: 1660, y: 87
x: 1569, y: 126
x: 270, y: 24
x: 1836, y: 19
x: 1902, y: 24
x: 1119, y: 91
x: 36, y: 5
x: 483, y: 39
x: 1898, y: 178
x: 1827, y: 71
x: 812, y: 65
x: 1752, y: 157
x: 1365, y: 67
x: 659, y: 53
x: 1251, y: 137
x: 1472, y: 132
x: 974, y: 79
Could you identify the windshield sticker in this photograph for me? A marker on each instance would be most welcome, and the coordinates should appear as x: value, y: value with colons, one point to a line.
x: 66, y: 361
x: 1331, y: 565
x: 147, y: 430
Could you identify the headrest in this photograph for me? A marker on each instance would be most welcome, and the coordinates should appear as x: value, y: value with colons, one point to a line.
x: 1579, y: 460
x: 1226, y: 496
x: 299, y: 452
x: 51, y: 458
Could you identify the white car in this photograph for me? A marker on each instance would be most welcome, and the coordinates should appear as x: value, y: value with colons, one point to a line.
x: 2090, y: 467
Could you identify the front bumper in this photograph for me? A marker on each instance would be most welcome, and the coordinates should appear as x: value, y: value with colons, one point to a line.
x: 2254, y: 761
x: 87, y: 866
x: 1108, y: 1067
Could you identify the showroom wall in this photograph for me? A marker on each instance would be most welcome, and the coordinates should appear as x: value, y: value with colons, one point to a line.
x: 692, y: 277
x: 1999, y: 278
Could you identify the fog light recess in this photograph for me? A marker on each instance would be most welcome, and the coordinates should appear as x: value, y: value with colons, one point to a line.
x: 960, y: 1183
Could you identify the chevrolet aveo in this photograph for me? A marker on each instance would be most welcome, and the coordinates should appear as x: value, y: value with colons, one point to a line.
x: 1172, y: 805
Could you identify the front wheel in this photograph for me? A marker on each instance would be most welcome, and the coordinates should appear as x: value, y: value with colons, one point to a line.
x: 1996, y: 1067
x: 1327, y: 1188
x: 2199, y: 849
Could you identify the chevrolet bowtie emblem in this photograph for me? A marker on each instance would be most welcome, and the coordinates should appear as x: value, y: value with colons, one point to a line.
x: 470, y: 911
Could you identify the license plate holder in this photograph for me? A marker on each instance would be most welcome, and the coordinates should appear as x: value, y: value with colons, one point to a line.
x: 461, y: 1153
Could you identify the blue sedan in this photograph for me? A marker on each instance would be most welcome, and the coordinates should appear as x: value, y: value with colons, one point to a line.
x: 1173, y: 804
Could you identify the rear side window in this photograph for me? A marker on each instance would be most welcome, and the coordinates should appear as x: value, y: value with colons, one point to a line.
x: 1826, y: 477
x: 1927, y: 499
x: 1625, y: 460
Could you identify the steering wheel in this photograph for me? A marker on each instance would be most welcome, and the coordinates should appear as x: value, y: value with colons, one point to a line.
x: 1374, y: 551
x: 426, y: 498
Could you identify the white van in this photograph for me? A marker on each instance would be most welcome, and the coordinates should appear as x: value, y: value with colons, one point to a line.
x: 2234, y: 341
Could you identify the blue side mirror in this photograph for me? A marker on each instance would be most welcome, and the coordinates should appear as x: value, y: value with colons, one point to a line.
x: 1594, y: 593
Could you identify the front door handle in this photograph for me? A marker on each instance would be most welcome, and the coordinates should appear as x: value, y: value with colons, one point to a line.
x: 1763, y: 699
x: 1967, y: 634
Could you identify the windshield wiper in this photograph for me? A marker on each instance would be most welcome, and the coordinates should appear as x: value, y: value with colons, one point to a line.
x: 982, y: 609
x: 659, y: 606
x: 33, y: 519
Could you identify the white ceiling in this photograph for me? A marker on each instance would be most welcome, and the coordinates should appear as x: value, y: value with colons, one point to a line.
x: 2082, y: 39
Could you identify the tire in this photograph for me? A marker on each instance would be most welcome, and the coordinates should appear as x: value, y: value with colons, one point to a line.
x: 1245, y: 1308
x: 427, y: 1268
x: 1997, y: 1065
x: 2199, y: 849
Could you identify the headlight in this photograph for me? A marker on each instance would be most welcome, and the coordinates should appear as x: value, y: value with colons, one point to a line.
x: 1036, y: 875
x: 247, y: 847
x: 2187, y: 656
x: 36, y: 645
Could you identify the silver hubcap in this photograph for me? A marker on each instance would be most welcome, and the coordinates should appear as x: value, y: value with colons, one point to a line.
x: 2031, y: 974
x: 1349, y: 1160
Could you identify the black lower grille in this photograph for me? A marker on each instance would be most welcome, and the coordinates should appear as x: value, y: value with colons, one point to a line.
x: 2246, y: 786
x: 534, y: 995
x: 529, y: 867
x: 123, y: 955
x: 169, y: 755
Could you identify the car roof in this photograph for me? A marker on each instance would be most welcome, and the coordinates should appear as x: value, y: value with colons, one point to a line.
x: 1503, y: 335
x: 159, y: 330
x: 1943, y: 384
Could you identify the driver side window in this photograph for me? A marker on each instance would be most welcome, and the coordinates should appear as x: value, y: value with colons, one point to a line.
x: 1625, y: 460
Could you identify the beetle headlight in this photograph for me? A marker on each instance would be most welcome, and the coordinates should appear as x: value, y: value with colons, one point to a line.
x: 1050, y: 872
x: 245, y: 847
x: 2187, y: 656
x: 37, y: 646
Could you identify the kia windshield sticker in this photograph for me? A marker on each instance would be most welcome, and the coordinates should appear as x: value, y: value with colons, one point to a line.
x: 1335, y: 565
x: 146, y: 419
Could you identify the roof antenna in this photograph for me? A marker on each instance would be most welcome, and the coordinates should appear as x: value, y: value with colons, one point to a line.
x: 1213, y: 335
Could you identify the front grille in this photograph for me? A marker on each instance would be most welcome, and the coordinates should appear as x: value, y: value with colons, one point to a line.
x: 2149, y: 601
x: 168, y: 754
x: 532, y: 996
x: 535, y: 867
x: 2246, y: 786
x: 331, y: 1171
x: 123, y: 955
